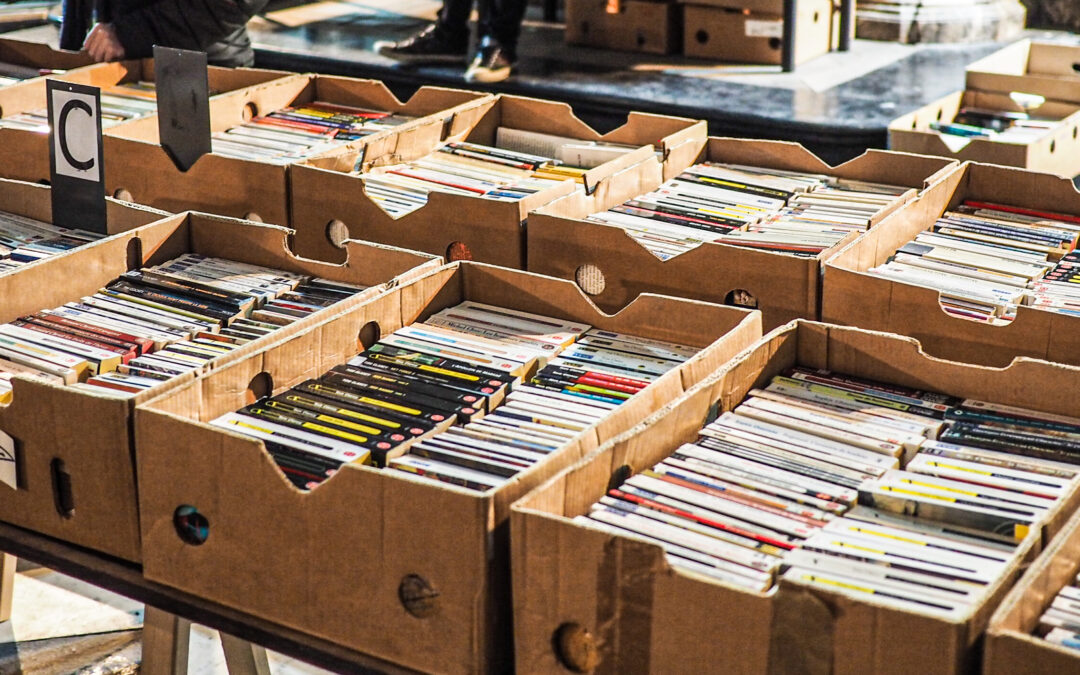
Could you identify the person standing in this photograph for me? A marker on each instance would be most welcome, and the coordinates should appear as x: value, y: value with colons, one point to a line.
x: 129, y: 29
x: 447, y: 40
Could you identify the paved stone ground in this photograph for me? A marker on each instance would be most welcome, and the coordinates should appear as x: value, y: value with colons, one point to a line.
x: 60, y: 626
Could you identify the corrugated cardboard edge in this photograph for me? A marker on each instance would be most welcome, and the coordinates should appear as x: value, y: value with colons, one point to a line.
x: 1010, y: 644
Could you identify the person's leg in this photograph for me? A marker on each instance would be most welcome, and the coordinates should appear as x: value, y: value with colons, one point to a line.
x: 505, y: 23
x: 454, y: 17
x: 445, y: 41
x: 500, y: 25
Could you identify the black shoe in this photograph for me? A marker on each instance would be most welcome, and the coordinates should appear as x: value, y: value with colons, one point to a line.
x: 431, y: 45
x: 493, y: 63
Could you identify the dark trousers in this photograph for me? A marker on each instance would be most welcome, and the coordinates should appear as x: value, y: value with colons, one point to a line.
x: 499, y: 19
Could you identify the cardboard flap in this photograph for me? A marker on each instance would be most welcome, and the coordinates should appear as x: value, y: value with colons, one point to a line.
x: 357, y: 92
x: 619, y: 186
x: 469, y: 106
x: 40, y: 55
x: 1011, y: 60
x: 550, y: 117
x: 648, y: 315
x: 1017, y: 187
x: 608, y: 169
x: 650, y: 129
x: 406, y: 144
x: 695, y: 134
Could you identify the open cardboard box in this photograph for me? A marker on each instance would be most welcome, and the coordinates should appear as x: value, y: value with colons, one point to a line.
x: 615, y: 268
x: 408, y: 569
x: 1056, y: 152
x: 750, y: 31
x: 35, y: 201
x: 40, y: 56
x: 1043, y: 68
x: 81, y: 444
x: 852, y: 296
x: 24, y: 155
x: 326, y: 198
x: 585, y: 598
x: 138, y: 168
x: 1011, y: 645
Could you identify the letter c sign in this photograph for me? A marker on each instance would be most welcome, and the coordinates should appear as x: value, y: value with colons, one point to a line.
x: 75, y: 118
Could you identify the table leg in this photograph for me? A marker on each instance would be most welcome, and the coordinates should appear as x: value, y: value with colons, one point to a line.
x: 243, y: 657
x: 165, y: 643
x: 7, y: 585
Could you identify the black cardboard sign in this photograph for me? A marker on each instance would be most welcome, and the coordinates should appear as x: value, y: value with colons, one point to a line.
x: 183, y: 100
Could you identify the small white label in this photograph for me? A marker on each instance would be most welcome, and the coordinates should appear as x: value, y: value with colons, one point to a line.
x: 75, y: 139
x: 9, y: 470
x: 765, y: 29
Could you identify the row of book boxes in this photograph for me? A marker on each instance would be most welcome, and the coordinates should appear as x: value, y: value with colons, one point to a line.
x: 1025, y: 80
x: 750, y: 31
x: 1015, y: 639
x: 614, y: 267
x: 248, y: 187
x: 326, y: 193
x: 24, y: 149
x: 420, y: 567
x: 594, y: 600
x: 747, y: 31
x: 138, y: 169
x: 855, y: 296
x: 75, y: 476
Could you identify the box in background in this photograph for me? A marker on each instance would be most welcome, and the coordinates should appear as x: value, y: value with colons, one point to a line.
x: 751, y: 31
x: 649, y: 26
x: 1042, y: 68
x: 1025, y: 67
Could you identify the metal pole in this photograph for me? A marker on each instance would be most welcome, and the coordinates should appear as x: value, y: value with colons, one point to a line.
x: 847, y: 24
x: 787, y: 41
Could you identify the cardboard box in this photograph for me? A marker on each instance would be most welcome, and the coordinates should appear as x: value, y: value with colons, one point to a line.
x: 139, y: 168
x: 854, y: 297
x: 627, y: 609
x: 652, y: 27
x: 1011, y: 646
x: 1057, y: 152
x: 325, y: 197
x: 40, y: 56
x: 66, y: 435
x: 418, y: 567
x: 1042, y: 68
x: 751, y: 31
x: 615, y: 268
x: 24, y: 155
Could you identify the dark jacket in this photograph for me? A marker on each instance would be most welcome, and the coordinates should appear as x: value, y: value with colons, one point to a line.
x: 213, y: 26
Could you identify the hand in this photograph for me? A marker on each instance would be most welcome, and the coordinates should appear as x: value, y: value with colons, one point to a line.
x: 103, y: 45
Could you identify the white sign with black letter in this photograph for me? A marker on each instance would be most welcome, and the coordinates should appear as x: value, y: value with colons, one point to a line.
x: 76, y: 139
x: 76, y: 156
